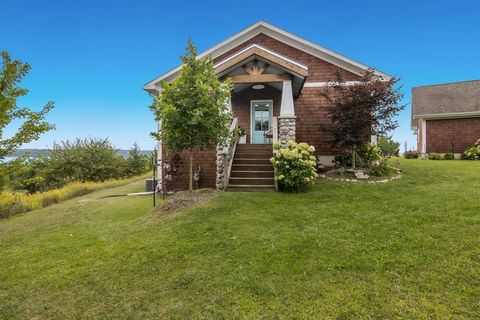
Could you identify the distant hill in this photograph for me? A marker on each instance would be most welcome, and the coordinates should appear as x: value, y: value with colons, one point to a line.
x: 38, y: 152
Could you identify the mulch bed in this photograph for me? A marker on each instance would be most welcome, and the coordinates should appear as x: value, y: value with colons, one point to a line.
x: 182, y: 200
x: 350, y: 176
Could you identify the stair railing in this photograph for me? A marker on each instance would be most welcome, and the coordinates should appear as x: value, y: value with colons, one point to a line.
x: 274, y: 141
x: 274, y: 130
x: 230, y: 154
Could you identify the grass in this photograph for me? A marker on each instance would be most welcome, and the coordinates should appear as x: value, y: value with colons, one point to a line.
x: 12, y: 203
x: 407, y: 249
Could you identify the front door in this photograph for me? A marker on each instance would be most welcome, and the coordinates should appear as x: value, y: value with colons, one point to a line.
x: 261, y: 111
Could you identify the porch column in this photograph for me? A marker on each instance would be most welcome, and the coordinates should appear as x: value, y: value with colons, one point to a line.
x: 423, y: 145
x: 286, y: 120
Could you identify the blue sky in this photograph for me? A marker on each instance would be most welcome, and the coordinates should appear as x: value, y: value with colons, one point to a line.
x: 93, y: 57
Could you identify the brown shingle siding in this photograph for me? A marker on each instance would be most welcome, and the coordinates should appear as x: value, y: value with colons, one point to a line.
x: 440, y: 134
x: 206, y: 159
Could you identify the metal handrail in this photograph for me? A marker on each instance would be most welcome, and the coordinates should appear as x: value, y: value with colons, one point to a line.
x: 274, y: 140
x: 275, y: 129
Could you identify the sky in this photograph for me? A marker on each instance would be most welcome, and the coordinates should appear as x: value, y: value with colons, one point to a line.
x: 92, y: 58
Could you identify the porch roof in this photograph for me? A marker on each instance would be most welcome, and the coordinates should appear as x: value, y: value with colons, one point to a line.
x: 258, y: 65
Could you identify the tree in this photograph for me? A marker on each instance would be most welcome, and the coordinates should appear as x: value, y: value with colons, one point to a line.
x: 388, y: 146
x: 136, y: 162
x: 360, y: 110
x: 32, y: 124
x: 191, y: 108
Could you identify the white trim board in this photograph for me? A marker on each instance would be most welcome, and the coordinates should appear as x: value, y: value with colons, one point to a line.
x: 263, y: 49
x: 328, y: 84
x: 469, y: 114
x: 280, y: 35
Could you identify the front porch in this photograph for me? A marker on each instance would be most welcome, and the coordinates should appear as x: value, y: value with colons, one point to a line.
x: 265, y: 85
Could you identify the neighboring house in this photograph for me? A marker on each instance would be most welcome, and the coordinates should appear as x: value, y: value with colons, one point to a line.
x: 277, y: 79
x: 446, y: 117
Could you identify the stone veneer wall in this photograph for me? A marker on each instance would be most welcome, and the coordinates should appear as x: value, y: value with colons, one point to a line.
x: 221, y: 154
x: 286, y: 129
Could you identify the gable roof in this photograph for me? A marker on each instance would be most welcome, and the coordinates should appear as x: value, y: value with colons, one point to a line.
x: 449, y: 100
x: 280, y: 35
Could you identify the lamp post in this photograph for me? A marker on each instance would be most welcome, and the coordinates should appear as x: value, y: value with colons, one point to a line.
x: 154, y: 180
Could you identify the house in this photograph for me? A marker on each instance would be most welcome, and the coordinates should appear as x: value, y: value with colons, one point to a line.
x: 277, y: 78
x: 446, y: 117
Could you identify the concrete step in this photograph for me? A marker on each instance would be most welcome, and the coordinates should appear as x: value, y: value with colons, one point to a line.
x: 252, y: 167
x: 252, y: 173
x: 251, y: 181
x: 251, y: 188
x: 251, y: 161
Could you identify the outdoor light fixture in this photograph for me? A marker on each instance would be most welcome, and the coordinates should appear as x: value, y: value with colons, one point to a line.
x: 258, y: 87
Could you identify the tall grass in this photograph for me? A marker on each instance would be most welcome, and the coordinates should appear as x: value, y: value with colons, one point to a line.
x: 12, y: 203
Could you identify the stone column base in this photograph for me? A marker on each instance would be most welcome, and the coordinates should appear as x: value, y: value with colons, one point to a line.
x: 286, y: 129
x: 220, y: 167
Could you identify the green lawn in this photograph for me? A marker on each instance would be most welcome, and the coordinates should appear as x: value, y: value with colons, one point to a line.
x: 407, y: 249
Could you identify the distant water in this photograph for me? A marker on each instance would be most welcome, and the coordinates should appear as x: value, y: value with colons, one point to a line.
x: 7, y: 159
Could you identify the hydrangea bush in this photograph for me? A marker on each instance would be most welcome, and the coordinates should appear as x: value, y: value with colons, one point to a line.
x: 295, y: 166
x: 473, y: 152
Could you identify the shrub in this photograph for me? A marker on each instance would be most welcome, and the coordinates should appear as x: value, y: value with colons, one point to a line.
x: 473, y: 152
x: 344, y: 159
x: 448, y: 156
x: 379, y: 168
x: 389, y: 147
x: 368, y: 153
x: 410, y: 154
x: 365, y: 156
x: 83, y: 160
x: 434, y: 156
x: 295, y: 166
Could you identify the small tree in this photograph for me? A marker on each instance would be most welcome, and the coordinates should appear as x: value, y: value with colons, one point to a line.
x: 136, y: 162
x: 191, y: 108
x: 388, y: 146
x: 32, y: 124
x: 361, y: 110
